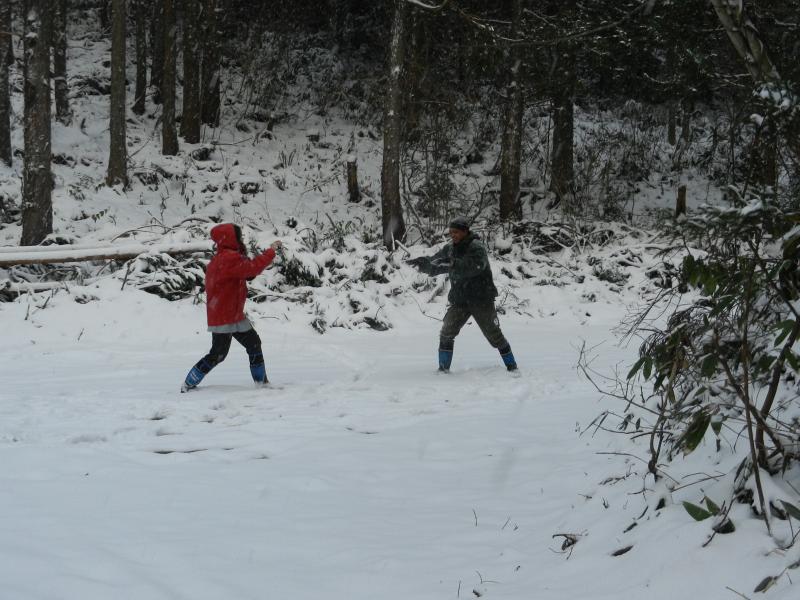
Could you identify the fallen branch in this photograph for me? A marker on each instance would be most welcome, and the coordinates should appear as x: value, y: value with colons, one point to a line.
x: 23, y: 287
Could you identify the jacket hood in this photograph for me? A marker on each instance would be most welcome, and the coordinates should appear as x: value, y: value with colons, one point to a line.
x: 224, y: 237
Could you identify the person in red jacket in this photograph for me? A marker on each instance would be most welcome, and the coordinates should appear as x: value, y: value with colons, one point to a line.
x: 226, y: 292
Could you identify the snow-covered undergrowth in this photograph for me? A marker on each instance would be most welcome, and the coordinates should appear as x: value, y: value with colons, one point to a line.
x: 361, y: 472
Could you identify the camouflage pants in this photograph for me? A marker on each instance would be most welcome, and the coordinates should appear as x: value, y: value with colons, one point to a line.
x: 485, y: 316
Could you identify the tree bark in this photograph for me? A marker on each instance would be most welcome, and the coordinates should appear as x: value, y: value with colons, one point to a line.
x: 340, y: 9
x: 562, y: 168
x: 104, y: 15
x: 156, y: 49
x: 6, y: 52
x: 63, y: 113
x: 414, y: 79
x: 169, y: 135
x: 211, y: 62
x: 37, y: 179
x: 190, y: 121
x: 687, y: 108
x: 118, y: 150
x: 512, y: 133
x: 140, y: 96
x: 764, y: 156
x: 672, y: 124
x: 394, y: 227
x: 746, y: 41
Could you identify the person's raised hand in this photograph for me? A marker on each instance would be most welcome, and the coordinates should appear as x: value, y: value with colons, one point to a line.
x: 276, y: 245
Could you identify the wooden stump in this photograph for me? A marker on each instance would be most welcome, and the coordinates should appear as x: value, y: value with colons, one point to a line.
x: 353, y: 193
x: 680, y: 203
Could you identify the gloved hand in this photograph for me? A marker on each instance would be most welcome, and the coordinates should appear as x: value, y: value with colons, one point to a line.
x: 416, y: 262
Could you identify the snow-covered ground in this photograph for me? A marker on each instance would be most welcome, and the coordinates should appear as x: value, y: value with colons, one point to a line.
x: 360, y: 473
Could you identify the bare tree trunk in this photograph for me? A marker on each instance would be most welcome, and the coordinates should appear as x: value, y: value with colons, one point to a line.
x: 37, y: 180
x: 562, y: 169
x: 419, y: 45
x: 512, y: 133
x: 190, y: 121
x: 672, y: 124
x: 118, y: 150
x: 672, y: 117
x: 59, y: 39
x: 169, y: 135
x: 764, y: 157
x: 5, y: 97
x: 340, y: 9
x: 687, y: 107
x: 140, y: 96
x: 156, y: 49
x: 394, y: 227
x: 104, y: 15
x: 746, y: 40
x: 211, y: 62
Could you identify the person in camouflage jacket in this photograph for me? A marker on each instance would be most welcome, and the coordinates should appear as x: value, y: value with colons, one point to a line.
x: 472, y: 292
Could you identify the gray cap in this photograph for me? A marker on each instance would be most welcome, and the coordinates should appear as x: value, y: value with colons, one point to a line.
x: 459, y: 223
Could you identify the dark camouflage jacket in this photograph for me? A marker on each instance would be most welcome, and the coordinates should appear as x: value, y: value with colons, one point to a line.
x: 467, y: 263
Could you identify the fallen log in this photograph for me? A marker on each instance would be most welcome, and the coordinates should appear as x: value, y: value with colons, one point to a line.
x: 39, y: 255
x: 23, y: 287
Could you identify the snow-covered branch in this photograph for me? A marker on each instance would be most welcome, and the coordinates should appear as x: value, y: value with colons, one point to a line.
x: 431, y: 7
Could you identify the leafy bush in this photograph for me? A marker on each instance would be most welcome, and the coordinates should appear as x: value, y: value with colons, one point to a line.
x: 726, y: 356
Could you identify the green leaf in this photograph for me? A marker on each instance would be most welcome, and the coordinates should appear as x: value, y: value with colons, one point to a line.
x: 791, y: 509
x: 695, y: 432
x: 648, y: 367
x: 712, y: 508
x: 786, y: 328
x: 726, y: 526
x: 709, y: 366
x: 766, y: 583
x: 635, y: 368
x: 709, y: 284
x: 698, y: 513
x: 793, y: 360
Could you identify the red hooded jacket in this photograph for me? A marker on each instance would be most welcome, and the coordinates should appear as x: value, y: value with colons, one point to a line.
x: 226, y: 275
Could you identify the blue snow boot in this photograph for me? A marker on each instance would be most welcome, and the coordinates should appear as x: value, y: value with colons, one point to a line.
x: 257, y: 368
x: 194, y: 377
x: 259, y: 373
x: 508, y: 357
x: 445, y: 358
